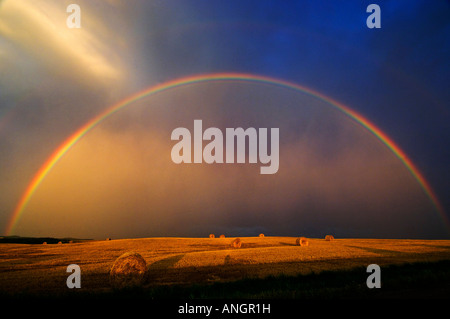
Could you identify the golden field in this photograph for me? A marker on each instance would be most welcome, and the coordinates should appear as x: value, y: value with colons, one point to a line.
x: 35, y: 268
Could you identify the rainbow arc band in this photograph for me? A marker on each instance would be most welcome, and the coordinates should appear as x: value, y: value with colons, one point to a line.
x: 82, y: 131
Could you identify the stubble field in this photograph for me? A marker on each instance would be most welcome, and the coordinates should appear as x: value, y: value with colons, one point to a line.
x: 40, y: 270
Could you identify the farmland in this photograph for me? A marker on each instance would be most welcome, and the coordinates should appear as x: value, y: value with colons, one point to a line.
x: 187, y: 263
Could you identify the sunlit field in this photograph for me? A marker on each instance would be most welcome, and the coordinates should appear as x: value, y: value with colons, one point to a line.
x: 40, y: 269
x: 36, y: 269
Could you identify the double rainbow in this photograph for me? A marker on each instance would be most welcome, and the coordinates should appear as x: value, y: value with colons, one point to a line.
x: 82, y: 131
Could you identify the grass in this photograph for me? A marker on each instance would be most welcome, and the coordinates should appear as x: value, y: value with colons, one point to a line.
x: 269, y: 267
x: 416, y: 281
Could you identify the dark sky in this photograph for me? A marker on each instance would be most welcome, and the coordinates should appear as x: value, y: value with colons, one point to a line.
x: 54, y: 79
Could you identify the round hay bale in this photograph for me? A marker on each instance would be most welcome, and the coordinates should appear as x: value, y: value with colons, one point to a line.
x: 128, y: 271
x: 60, y: 243
x: 44, y: 243
x: 211, y: 236
x: 261, y: 235
x: 222, y: 236
x: 236, y: 243
x: 302, y: 241
x: 329, y: 237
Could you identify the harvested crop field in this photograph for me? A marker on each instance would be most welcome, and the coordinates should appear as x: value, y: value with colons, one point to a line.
x: 37, y: 269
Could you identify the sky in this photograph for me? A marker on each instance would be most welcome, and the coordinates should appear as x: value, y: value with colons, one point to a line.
x: 335, y: 176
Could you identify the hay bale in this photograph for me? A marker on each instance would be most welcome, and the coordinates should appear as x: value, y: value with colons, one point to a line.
x: 60, y: 243
x: 261, y: 235
x: 128, y: 271
x: 236, y: 243
x: 329, y: 237
x: 222, y: 236
x: 211, y: 236
x: 44, y: 243
x: 302, y: 241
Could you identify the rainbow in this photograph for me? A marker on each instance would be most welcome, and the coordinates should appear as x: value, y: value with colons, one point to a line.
x: 82, y: 131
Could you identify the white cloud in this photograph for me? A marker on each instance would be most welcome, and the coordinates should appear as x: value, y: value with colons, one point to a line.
x: 38, y: 30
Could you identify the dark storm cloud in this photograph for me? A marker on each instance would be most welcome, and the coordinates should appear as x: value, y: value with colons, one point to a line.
x: 396, y: 76
x: 334, y: 176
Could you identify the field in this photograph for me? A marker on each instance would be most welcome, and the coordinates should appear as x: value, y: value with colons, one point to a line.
x: 210, y: 268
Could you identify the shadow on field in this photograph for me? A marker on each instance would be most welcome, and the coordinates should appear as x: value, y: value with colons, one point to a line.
x: 436, y: 246
x: 383, y: 252
x: 164, y: 272
x: 163, y: 268
x: 287, y: 244
x: 166, y: 262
